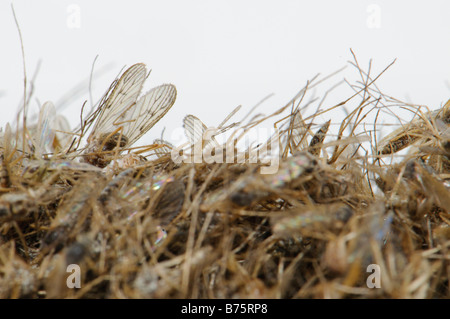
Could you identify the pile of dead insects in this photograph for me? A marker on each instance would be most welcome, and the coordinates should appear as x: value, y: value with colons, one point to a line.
x: 335, y: 219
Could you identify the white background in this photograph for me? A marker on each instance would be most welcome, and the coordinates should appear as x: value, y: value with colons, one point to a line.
x: 221, y: 54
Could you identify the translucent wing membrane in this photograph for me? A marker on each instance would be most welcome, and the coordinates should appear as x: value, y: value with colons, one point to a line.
x: 123, y: 96
x: 148, y: 110
x: 122, y: 118
x: 163, y: 150
x: 122, y: 112
x: 193, y: 128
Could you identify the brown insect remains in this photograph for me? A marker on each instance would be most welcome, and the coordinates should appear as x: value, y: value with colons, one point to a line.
x: 123, y: 117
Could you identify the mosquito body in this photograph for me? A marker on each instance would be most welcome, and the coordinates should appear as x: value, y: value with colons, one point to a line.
x: 122, y: 118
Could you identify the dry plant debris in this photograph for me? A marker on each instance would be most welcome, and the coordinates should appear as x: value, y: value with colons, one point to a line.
x: 141, y: 225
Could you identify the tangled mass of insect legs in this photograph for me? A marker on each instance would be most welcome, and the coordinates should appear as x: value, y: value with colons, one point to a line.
x: 143, y: 223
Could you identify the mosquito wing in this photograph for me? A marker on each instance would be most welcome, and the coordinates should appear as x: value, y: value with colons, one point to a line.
x: 165, y: 149
x: 193, y: 128
x: 123, y: 96
x: 149, y: 109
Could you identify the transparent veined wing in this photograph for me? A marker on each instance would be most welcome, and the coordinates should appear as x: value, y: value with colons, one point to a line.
x: 122, y: 118
x: 148, y: 110
x: 195, y: 129
x: 123, y: 95
x: 165, y: 149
